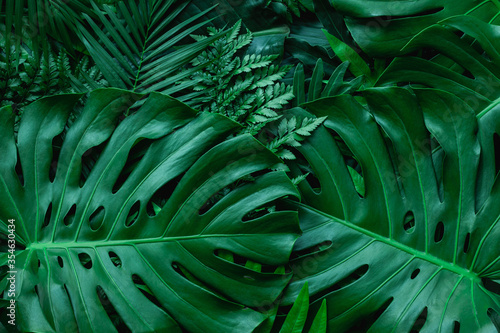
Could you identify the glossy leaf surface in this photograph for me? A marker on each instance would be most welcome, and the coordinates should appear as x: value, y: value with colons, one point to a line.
x: 133, y: 240
x: 418, y: 248
x: 382, y: 28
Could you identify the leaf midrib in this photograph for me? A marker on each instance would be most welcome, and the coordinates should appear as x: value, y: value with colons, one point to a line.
x: 131, y: 242
x: 395, y: 244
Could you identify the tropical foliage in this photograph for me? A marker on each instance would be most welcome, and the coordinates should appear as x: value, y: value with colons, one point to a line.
x: 249, y: 166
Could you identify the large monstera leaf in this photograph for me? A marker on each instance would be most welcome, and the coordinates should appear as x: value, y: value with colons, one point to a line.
x: 474, y: 71
x: 136, y: 237
x: 400, y: 213
x: 382, y: 28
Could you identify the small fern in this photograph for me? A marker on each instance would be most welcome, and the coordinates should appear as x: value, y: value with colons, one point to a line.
x: 35, y: 78
x: 244, y: 88
x: 290, y: 132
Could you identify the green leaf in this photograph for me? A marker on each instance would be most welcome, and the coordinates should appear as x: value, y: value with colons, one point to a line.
x: 299, y: 85
x: 316, y: 81
x: 382, y: 28
x: 477, y: 80
x: 357, y: 179
x: 296, y: 318
x: 38, y: 21
x: 357, y: 65
x: 111, y: 224
x: 331, y: 20
x: 137, y: 49
x: 419, y: 250
x: 319, y: 322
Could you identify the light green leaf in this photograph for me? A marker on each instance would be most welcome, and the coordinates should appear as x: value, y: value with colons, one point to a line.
x: 357, y: 65
x: 319, y: 322
x: 296, y: 318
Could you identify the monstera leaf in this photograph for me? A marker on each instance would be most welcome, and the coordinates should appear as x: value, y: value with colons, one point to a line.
x: 475, y: 72
x: 417, y: 248
x: 382, y: 28
x: 119, y: 227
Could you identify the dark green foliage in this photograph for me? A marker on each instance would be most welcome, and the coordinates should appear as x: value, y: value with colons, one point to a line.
x: 151, y: 270
x: 288, y: 7
x: 138, y: 46
x: 34, y: 78
x: 243, y: 87
x: 378, y: 133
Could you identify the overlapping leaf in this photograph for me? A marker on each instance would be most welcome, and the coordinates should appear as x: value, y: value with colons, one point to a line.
x: 138, y: 46
x: 471, y: 72
x: 34, y: 20
x: 382, y: 28
x: 134, y: 241
x: 417, y: 249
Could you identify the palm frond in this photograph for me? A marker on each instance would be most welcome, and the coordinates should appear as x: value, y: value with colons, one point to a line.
x: 137, y: 46
x: 39, y: 21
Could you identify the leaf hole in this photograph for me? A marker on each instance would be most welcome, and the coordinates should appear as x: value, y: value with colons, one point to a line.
x: 353, y: 167
x: 323, y: 246
x: 467, y: 243
x: 113, y: 315
x: 369, y: 320
x: 491, y: 285
x: 399, y: 165
x: 439, y: 233
x: 456, y: 327
x: 60, y: 262
x: 259, y: 212
x: 409, y: 222
x: 342, y: 283
x: 89, y: 159
x: 146, y: 291
x: 420, y: 322
x: 133, y: 214
x: 48, y: 215
x: 415, y: 273
x: 182, y: 271
x: 85, y: 260
x: 468, y: 74
x: 438, y: 157
x: 19, y: 170
x: 161, y: 196
x: 495, y: 318
x: 97, y: 218
x: 214, y: 199
x: 301, y: 166
x: 134, y: 156
x: 57, y: 142
x: 73, y: 329
x: 70, y: 216
x: 248, y: 263
x: 115, y: 259
x: 38, y: 294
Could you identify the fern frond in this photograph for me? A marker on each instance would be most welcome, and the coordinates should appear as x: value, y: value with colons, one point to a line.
x: 290, y: 132
x: 246, y: 88
x: 34, y: 78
